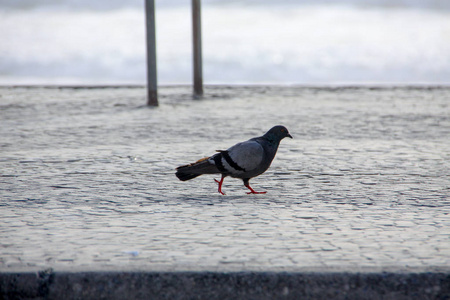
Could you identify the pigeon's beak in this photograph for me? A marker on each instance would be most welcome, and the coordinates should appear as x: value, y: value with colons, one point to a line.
x: 288, y: 135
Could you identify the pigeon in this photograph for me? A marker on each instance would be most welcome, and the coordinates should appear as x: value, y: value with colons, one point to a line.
x: 244, y: 160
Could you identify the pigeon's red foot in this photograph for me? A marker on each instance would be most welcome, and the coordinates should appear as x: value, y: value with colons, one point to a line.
x: 220, y: 184
x: 252, y: 191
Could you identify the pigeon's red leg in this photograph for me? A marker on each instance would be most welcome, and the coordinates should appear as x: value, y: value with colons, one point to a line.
x: 220, y: 184
x: 252, y: 191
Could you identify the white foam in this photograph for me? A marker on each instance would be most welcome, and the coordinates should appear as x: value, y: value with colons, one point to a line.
x: 243, y: 42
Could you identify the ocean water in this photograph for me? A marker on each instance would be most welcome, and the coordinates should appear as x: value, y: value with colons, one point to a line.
x: 245, y: 42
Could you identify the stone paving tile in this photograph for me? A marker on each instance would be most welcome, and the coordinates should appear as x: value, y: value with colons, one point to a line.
x: 87, y: 180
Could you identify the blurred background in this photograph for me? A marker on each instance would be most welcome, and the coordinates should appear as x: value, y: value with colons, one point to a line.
x: 244, y: 42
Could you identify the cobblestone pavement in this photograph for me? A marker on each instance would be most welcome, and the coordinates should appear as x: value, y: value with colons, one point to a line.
x: 87, y: 180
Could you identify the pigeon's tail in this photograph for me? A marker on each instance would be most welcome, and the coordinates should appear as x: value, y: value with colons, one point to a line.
x: 200, y: 167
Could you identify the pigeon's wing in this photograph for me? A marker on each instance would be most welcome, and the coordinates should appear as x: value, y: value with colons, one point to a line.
x: 243, y: 157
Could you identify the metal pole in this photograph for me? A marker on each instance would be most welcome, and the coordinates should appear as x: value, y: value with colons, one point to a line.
x: 197, y: 47
x: 152, y: 88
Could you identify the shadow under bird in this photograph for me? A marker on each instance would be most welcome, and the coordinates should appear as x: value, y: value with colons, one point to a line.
x: 244, y: 160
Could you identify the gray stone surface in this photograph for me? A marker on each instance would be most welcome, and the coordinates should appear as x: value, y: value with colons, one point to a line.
x: 208, y: 285
x: 87, y: 181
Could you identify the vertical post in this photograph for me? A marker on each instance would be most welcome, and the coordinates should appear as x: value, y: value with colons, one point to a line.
x: 197, y: 47
x: 152, y: 88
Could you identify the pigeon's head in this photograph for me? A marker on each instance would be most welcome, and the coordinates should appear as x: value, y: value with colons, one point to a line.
x: 278, y: 133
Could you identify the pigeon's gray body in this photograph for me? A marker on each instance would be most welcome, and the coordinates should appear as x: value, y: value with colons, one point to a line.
x: 244, y: 160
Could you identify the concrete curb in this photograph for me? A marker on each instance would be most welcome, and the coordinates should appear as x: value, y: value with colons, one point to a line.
x: 215, y: 285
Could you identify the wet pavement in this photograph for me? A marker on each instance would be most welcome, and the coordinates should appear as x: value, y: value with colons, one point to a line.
x: 87, y: 180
